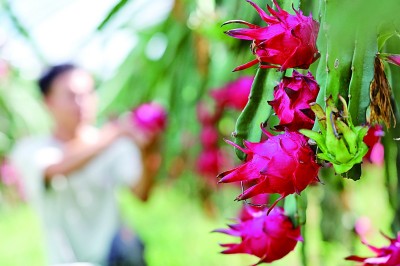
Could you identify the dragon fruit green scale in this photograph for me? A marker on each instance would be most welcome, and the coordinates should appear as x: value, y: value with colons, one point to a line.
x: 339, y: 142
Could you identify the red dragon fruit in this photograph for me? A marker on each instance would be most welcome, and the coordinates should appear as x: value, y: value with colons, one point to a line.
x: 289, y: 41
x: 210, y: 162
x: 269, y: 237
x: 283, y: 164
x: 234, y: 94
x: 208, y: 116
x: 292, y: 98
x: 376, y: 151
x: 10, y: 177
x: 385, y: 256
x: 209, y: 137
x: 150, y: 117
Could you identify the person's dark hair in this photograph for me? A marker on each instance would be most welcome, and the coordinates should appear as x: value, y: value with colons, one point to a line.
x: 51, y: 74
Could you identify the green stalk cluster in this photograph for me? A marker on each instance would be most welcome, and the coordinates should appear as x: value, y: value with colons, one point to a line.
x: 339, y: 141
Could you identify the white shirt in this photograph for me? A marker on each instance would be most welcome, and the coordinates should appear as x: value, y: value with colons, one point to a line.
x: 79, y: 211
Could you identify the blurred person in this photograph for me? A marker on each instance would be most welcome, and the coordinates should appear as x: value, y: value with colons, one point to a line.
x: 70, y: 175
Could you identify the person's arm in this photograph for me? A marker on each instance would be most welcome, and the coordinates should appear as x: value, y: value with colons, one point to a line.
x: 77, y: 153
x: 151, y: 161
x: 147, y: 159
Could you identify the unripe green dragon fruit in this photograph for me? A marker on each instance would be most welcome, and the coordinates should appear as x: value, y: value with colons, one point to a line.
x: 339, y: 141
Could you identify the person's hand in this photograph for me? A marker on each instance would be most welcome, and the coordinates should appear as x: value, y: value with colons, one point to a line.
x: 144, y: 139
x: 112, y: 130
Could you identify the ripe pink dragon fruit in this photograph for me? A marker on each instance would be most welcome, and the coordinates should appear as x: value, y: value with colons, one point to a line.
x: 376, y: 151
x: 289, y: 41
x: 269, y: 237
x: 283, y: 164
x: 206, y: 116
x: 210, y: 162
x: 292, y: 98
x: 235, y: 94
x: 150, y: 117
x: 363, y: 227
x: 385, y: 256
x: 10, y: 177
x: 209, y: 137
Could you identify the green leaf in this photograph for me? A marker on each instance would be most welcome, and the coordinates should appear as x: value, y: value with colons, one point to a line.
x: 383, y: 37
x: 295, y: 208
x: 317, y: 137
x: 392, y: 173
x: 342, y: 168
x: 287, y: 5
x: 362, y: 74
x: 112, y: 13
x: 290, y: 207
x: 23, y: 30
x: 302, y: 207
x: 338, y: 54
x: 321, y: 72
x: 391, y: 146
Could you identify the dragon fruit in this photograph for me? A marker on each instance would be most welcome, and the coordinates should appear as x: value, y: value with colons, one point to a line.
x: 283, y: 164
x: 292, y: 98
x: 289, y: 41
x: 269, y: 237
